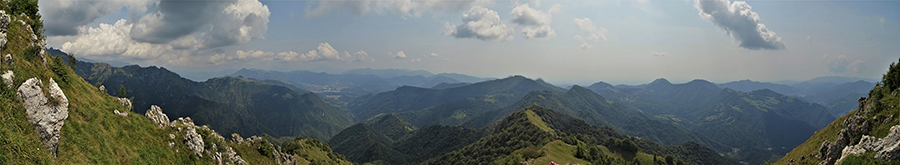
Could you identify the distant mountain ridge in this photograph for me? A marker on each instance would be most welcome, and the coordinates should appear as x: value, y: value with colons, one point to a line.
x: 229, y: 104
x: 752, y: 122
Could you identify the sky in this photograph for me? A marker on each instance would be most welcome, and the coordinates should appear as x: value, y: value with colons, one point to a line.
x: 562, y: 42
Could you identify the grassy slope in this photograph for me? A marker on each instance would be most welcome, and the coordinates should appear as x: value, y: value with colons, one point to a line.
x: 92, y: 134
x: 830, y: 133
x: 562, y: 153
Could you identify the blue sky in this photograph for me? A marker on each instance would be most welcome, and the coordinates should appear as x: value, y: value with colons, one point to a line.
x: 563, y: 42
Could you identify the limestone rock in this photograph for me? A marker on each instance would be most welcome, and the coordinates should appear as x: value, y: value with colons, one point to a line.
x: 885, y: 148
x: 117, y: 112
x: 127, y: 103
x: 8, y: 60
x: 854, y: 126
x: 194, y: 141
x: 156, y: 115
x: 237, y: 138
x: 46, y: 113
x: 232, y: 156
x: 8, y: 78
x: 4, y: 21
x: 102, y: 88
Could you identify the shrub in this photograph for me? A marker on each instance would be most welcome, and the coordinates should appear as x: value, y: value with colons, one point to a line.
x: 891, y: 79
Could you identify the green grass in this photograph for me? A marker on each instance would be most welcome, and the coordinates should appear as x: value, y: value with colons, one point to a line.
x: 536, y: 120
x: 561, y: 153
x: 830, y: 133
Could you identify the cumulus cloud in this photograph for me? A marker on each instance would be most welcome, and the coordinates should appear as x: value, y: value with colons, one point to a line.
x: 401, y: 7
x: 840, y: 63
x: 480, y: 23
x: 175, y: 32
x: 536, y: 22
x: 63, y: 17
x: 400, y: 55
x: 433, y: 55
x: 543, y: 31
x: 525, y: 15
x: 214, y: 23
x: 594, y: 33
x: 112, y: 39
x: 324, y: 52
x: 658, y: 54
x: 740, y: 22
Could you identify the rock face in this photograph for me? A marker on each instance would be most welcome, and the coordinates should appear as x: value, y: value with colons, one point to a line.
x: 156, y: 115
x: 117, y: 112
x: 855, y: 125
x: 194, y: 141
x: 46, y: 113
x: 4, y: 24
x: 232, y: 156
x: 8, y: 78
x: 102, y: 88
x: 127, y: 103
x: 888, y: 148
x: 8, y: 60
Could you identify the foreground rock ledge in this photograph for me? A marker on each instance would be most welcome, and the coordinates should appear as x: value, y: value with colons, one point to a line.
x: 46, y: 113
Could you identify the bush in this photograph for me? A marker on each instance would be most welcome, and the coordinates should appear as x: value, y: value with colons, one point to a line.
x: 891, y: 79
x: 29, y: 8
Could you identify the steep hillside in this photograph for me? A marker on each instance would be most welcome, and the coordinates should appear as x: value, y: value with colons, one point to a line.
x: 230, y: 105
x: 852, y: 138
x: 367, y: 143
x: 50, y: 115
x: 529, y: 135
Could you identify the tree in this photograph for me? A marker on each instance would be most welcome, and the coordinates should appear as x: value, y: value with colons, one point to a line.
x: 72, y: 61
x: 670, y: 160
x: 891, y: 80
x: 122, y: 93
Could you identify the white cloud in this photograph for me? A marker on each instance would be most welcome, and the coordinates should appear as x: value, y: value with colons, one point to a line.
x: 740, y: 22
x: 112, y: 40
x: 585, y: 46
x: 213, y: 23
x: 324, y: 52
x: 480, y: 23
x: 63, y: 17
x: 433, y: 55
x: 401, y: 7
x: 400, y: 55
x: 543, y: 31
x: 525, y: 15
x: 536, y: 22
x: 840, y: 63
x: 658, y: 54
x: 594, y: 33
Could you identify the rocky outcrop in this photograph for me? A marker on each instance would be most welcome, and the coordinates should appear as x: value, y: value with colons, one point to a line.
x: 117, y: 112
x: 233, y: 157
x: 194, y: 141
x: 854, y: 126
x: 156, y: 115
x: 8, y: 78
x: 102, y: 88
x: 127, y: 103
x: 887, y: 148
x: 47, y: 110
x: 8, y: 60
x: 4, y: 24
x: 237, y: 138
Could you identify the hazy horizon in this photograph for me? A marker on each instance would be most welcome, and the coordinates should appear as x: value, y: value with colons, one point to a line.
x: 561, y: 42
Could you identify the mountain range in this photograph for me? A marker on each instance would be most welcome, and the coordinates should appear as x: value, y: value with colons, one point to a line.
x: 228, y: 104
x: 755, y: 123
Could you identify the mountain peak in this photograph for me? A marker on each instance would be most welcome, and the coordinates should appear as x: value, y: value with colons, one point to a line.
x: 660, y: 81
